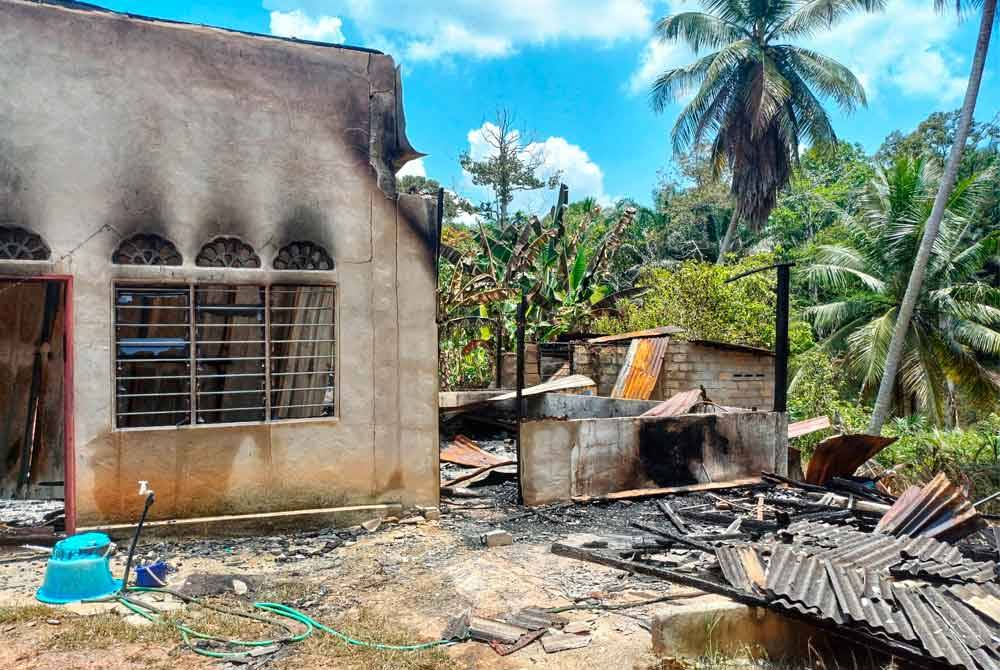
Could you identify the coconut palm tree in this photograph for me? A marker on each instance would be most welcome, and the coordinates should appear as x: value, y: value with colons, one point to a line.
x: 922, y: 262
x: 758, y: 96
x: 956, y: 323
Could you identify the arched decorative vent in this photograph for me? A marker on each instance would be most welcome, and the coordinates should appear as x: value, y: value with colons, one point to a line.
x: 227, y: 252
x: 303, y: 256
x: 18, y: 244
x: 146, y: 250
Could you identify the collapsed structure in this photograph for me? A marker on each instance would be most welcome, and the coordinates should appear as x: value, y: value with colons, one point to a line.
x: 207, y: 279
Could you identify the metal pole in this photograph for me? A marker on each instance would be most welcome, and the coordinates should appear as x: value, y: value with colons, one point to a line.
x: 498, y: 327
x: 781, y: 340
x: 519, y: 399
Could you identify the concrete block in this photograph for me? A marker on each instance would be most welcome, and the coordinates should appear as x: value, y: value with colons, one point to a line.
x: 497, y: 538
x: 713, y: 624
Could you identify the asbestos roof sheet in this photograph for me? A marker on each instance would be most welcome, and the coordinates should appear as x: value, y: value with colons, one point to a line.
x: 843, y: 575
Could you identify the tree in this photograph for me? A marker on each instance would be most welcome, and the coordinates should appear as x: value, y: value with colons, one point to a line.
x: 956, y: 320
x: 509, y: 166
x: 756, y: 94
x: 695, y: 296
x: 914, y: 287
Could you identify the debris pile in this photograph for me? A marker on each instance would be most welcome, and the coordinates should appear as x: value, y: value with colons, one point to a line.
x: 914, y: 577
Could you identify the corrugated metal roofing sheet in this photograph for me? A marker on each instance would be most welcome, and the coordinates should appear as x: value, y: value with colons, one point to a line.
x: 639, y: 374
x: 939, y: 510
x: 675, y: 405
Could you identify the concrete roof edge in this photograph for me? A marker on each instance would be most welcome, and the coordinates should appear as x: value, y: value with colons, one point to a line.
x: 88, y: 7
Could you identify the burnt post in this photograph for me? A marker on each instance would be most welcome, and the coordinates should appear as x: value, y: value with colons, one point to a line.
x: 781, y: 339
x: 781, y: 307
x: 522, y: 309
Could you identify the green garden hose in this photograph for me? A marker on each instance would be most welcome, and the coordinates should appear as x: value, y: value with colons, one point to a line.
x: 284, y: 611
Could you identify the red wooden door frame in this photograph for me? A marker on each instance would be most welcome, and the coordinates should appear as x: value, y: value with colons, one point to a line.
x: 69, y: 427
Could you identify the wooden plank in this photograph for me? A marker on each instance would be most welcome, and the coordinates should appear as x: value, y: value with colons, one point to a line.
x: 561, y: 384
x: 687, y: 488
x: 673, y: 516
x: 556, y: 642
x: 387, y: 509
x: 637, y: 334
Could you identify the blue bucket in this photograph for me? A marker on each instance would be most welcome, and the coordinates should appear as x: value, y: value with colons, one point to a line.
x: 153, y: 575
x: 79, y: 570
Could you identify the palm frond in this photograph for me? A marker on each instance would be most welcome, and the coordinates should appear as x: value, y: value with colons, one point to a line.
x: 700, y: 30
x: 841, y: 277
x: 814, y: 15
x: 827, y: 76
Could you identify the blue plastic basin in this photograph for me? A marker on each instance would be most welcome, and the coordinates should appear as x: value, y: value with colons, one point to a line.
x: 78, y: 570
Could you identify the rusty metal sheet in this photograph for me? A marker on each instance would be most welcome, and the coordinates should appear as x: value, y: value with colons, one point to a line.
x: 800, y: 428
x: 675, y: 405
x: 639, y: 374
x: 939, y: 510
x: 841, y: 455
x: 464, y: 451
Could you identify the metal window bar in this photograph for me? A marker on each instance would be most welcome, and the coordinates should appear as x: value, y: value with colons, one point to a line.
x: 128, y: 297
x: 132, y: 387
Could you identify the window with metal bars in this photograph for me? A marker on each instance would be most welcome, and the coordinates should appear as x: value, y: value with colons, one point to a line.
x: 210, y: 354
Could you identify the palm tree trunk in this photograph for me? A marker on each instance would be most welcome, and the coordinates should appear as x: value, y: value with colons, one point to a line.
x: 895, y: 353
x: 734, y: 221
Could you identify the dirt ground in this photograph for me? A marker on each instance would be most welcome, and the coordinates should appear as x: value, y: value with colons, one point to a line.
x: 400, y: 584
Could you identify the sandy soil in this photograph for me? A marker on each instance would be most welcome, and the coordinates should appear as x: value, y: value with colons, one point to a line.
x: 410, y: 579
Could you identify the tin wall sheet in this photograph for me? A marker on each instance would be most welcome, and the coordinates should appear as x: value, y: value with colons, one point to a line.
x: 638, y: 376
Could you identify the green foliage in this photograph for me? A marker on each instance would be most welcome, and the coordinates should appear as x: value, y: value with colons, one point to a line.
x: 695, y: 297
x: 968, y: 456
x: 957, y: 321
x: 756, y: 94
x: 825, y: 185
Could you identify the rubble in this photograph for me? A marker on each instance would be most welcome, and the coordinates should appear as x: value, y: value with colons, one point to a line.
x: 497, y: 538
x: 873, y: 569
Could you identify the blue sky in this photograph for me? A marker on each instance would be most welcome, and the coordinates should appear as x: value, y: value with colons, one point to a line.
x: 575, y: 73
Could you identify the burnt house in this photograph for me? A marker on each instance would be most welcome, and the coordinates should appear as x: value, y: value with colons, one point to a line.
x: 207, y: 279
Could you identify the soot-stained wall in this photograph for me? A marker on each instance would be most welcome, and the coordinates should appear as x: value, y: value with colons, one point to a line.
x: 111, y: 126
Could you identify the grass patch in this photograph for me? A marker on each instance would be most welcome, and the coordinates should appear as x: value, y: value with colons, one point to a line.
x: 16, y: 615
x: 324, y: 650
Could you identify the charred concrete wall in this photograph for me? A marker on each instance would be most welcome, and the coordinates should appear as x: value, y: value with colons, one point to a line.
x: 562, y: 459
x: 111, y: 126
x: 736, y: 377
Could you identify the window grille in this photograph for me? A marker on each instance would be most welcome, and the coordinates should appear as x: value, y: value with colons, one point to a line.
x: 227, y: 252
x: 18, y: 244
x: 146, y: 250
x: 153, y: 356
x: 260, y: 353
x: 303, y: 256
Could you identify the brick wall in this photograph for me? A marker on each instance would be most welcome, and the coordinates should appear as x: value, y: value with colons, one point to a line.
x: 731, y: 377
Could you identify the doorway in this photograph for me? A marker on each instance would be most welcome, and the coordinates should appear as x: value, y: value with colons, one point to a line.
x: 35, y: 421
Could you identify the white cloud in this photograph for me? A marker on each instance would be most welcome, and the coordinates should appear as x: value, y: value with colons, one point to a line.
x: 658, y: 57
x: 577, y: 170
x: 905, y: 48
x: 422, y: 30
x: 302, y: 26
x: 414, y: 168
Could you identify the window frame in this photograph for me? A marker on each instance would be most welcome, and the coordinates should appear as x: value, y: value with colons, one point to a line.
x: 191, y: 285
